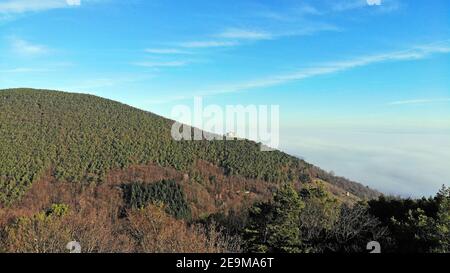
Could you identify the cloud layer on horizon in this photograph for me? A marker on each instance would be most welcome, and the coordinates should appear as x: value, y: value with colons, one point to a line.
x: 398, y: 163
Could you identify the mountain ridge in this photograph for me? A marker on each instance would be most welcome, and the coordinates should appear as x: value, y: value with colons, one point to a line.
x: 82, y: 137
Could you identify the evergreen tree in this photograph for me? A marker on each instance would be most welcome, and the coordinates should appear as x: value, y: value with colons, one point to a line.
x: 273, y: 227
x: 443, y: 222
x: 318, y: 217
x: 167, y: 192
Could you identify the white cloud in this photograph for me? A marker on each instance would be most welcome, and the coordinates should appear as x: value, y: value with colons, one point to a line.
x: 395, y: 161
x: 308, y: 10
x: 244, y: 34
x: 292, y: 14
x: 381, y: 5
x: 305, y: 29
x: 165, y: 51
x: 161, y: 64
x: 373, y: 2
x: 206, y: 44
x: 23, y: 70
x: 24, y: 48
x: 22, y: 6
x: 415, y: 53
x: 419, y: 101
x: 97, y: 85
x: 73, y: 2
x: 335, y: 67
x: 236, y: 36
x: 349, y: 5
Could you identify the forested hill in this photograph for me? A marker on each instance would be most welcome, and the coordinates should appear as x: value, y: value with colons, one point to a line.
x: 81, y: 138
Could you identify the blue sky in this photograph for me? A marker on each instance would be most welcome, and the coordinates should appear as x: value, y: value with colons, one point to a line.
x: 364, y: 90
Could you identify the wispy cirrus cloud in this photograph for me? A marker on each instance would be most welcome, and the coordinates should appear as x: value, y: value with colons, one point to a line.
x: 25, y: 48
x: 414, y: 53
x: 24, y: 70
x: 161, y: 64
x: 304, y: 9
x: 419, y: 101
x: 348, y: 5
x: 207, y: 44
x: 232, y: 37
x: 23, y: 6
x: 245, y: 34
x: 165, y: 51
x: 307, y: 9
x: 260, y: 30
x: 42, y: 68
x: 380, y: 5
x: 88, y: 85
x: 292, y: 14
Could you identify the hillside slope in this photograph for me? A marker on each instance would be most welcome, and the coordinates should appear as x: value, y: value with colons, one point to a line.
x: 82, y: 138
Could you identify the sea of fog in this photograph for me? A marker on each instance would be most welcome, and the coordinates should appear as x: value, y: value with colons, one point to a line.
x: 407, y: 163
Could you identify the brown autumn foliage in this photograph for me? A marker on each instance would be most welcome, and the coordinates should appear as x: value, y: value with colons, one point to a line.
x: 98, y: 220
x: 148, y: 230
x: 153, y: 231
x: 101, y: 222
x: 96, y: 228
x: 208, y: 190
x: 40, y: 233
